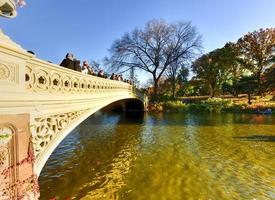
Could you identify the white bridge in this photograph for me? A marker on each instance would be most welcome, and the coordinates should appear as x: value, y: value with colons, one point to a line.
x: 41, y: 103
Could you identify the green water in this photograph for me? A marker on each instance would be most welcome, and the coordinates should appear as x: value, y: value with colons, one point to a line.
x: 165, y: 156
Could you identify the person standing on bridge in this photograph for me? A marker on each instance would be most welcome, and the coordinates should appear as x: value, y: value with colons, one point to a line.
x: 112, y: 76
x: 77, y: 66
x: 86, y: 68
x: 120, y: 78
x: 68, y: 62
x: 101, y: 73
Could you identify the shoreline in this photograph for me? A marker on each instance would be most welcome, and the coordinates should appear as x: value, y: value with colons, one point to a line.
x: 214, y: 105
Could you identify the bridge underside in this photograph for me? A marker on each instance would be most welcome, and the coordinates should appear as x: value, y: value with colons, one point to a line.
x: 125, y: 105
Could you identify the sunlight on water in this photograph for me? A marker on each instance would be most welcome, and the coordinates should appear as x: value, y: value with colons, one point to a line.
x: 165, y: 156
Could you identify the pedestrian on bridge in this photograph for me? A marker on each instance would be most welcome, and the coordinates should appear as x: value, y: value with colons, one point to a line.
x: 77, y: 66
x: 68, y: 62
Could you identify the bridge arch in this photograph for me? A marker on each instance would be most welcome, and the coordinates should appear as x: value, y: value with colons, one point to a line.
x: 125, y: 105
x: 129, y: 104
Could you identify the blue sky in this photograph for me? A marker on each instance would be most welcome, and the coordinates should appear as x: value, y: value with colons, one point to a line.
x: 87, y: 28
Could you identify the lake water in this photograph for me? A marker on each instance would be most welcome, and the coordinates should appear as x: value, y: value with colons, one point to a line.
x: 164, y: 156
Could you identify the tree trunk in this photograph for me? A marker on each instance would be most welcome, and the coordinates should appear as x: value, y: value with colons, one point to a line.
x: 173, y: 89
x: 155, y: 94
x: 260, y: 89
x: 249, y: 99
x: 211, y: 89
x: 235, y: 89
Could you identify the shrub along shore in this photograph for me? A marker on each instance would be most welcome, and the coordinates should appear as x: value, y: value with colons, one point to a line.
x: 214, y: 105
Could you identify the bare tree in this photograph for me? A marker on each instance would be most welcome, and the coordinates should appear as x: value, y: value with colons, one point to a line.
x: 95, y: 65
x: 155, y: 47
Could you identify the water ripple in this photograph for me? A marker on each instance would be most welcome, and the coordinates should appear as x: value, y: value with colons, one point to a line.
x: 164, y: 156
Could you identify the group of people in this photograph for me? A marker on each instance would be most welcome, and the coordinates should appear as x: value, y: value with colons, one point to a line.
x: 74, y: 64
x: 120, y: 78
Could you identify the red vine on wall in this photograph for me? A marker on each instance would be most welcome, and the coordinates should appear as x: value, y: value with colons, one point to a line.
x: 30, y: 184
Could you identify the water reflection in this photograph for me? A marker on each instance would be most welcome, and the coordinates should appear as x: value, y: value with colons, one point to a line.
x: 164, y: 156
x: 94, y: 157
x: 123, y: 148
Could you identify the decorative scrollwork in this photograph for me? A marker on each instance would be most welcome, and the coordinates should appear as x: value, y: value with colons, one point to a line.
x: 45, y: 129
x: 56, y: 79
x: 4, y: 72
x: 4, y: 151
x: 8, y: 72
x: 55, y: 82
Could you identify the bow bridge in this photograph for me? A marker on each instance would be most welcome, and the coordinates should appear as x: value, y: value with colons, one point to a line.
x: 40, y: 104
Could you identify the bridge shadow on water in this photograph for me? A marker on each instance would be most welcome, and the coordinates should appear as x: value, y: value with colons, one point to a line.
x: 132, y: 118
x: 257, y: 138
x: 101, y: 117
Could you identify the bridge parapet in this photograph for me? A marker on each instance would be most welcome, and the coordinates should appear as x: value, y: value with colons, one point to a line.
x: 44, y: 77
x: 21, y: 72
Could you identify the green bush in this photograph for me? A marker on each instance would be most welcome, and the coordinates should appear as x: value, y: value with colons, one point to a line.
x: 177, y: 106
x: 196, y: 107
x: 217, y: 104
x: 236, y: 108
x: 165, y: 98
x: 156, y: 107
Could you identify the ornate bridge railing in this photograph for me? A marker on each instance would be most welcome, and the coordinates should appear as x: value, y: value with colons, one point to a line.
x: 44, y: 77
